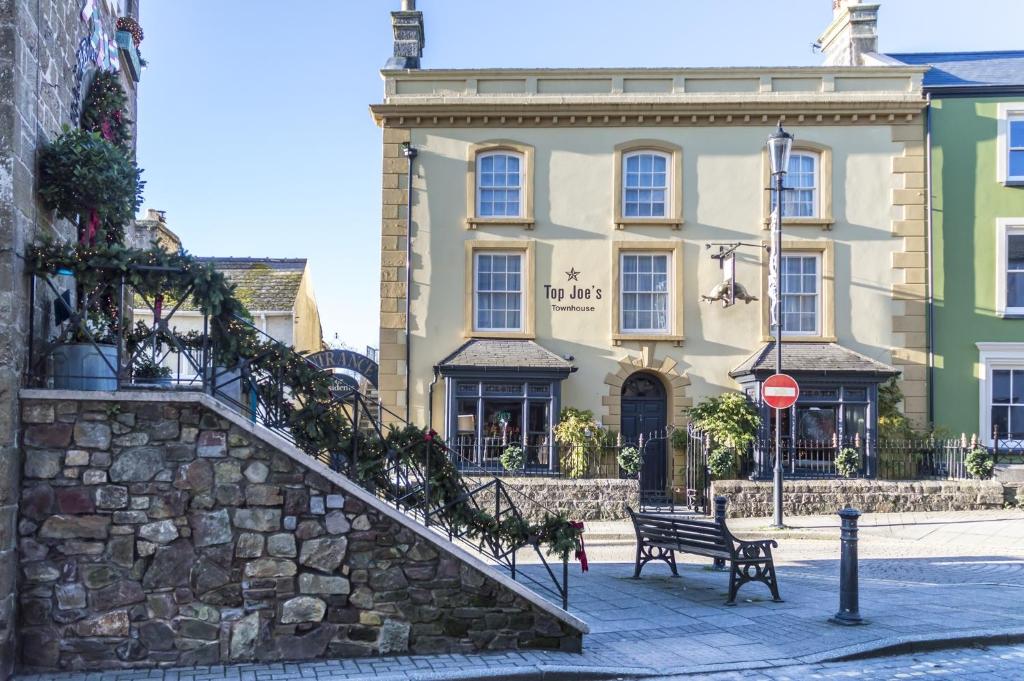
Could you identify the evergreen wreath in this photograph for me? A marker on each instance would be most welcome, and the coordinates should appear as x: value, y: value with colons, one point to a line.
x: 980, y: 463
x: 512, y: 459
x: 629, y: 460
x: 847, y: 462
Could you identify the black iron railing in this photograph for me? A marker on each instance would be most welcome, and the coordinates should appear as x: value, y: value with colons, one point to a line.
x: 125, y: 338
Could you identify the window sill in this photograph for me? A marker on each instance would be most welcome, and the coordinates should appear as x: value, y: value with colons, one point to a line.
x: 525, y: 223
x: 823, y: 223
x: 1010, y: 314
x: 801, y: 339
x: 1014, y: 182
x: 511, y: 335
x: 623, y: 223
x: 620, y: 338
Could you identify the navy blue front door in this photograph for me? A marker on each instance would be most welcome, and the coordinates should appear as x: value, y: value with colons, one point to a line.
x: 643, y: 413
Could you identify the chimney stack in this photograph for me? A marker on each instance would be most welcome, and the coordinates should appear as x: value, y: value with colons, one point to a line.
x: 852, y: 35
x: 409, y: 37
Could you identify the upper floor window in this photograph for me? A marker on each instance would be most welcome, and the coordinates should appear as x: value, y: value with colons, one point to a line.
x: 1010, y: 153
x: 1010, y: 266
x: 499, y: 184
x: 800, y: 200
x: 801, y: 294
x: 645, y: 185
x: 498, y: 291
x: 644, y: 302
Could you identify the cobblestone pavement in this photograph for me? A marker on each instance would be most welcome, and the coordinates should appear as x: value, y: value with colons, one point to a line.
x: 975, y: 663
x: 661, y: 626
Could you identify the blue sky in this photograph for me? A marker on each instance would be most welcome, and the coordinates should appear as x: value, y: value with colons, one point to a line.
x: 256, y: 139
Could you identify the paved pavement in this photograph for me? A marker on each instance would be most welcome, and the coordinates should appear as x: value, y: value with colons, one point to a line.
x: 978, y: 663
x: 963, y: 579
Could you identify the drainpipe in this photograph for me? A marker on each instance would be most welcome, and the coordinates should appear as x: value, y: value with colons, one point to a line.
x: 930, y: 306
x: 410, y: 152
x: 430, y: 402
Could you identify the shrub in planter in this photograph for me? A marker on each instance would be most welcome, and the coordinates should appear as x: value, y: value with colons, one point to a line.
x: 847, y: 462
x: 148, y: 372
x: 629, y: 460
x: 730, y: 419
x: 578, y: 433
x: 720, y: 462
x: 512, y: 459
x: 89, y: 180
x: 980, y: 463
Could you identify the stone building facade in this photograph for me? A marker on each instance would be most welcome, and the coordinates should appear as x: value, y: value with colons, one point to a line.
x: 556, y: 256
x: 45, y: 66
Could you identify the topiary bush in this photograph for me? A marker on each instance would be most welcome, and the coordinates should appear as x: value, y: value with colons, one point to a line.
x: 720, y: 462
x: 629, y: 460
x: 980, y: 463
x: 512, y: 459
x: 91, y: 181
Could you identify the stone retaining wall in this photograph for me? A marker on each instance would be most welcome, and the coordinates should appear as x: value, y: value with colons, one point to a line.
x: 597, y: 499
x: 163, y: 534
x: 815, y: 497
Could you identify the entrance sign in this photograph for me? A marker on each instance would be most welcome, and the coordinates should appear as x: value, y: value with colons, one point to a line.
x: 780, y: 391
x: 346, y: 359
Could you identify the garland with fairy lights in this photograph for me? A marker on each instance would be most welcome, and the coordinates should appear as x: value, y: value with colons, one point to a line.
x: 105, y: 110
x: 310, y: 414
x: 132, y: 26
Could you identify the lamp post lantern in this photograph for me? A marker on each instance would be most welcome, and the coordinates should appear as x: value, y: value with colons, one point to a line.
x: 780, y: 143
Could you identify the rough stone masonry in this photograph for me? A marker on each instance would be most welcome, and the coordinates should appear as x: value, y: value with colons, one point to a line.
x: 162, y: 534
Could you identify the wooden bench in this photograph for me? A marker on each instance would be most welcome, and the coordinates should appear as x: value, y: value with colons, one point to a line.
x: 660, y: 537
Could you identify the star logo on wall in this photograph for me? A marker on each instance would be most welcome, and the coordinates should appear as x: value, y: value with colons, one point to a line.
x: 573, y: 274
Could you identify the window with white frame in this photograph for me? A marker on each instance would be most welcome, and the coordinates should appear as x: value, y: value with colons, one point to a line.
x: 498, y: 291
x: 802, y: 180
x: 1015, y: 146
x: 644, y: 294
x: 801, y: 294
x: 645, y: 184
x: 499, y: 184
x: 1007, y: 402
x: 1009, y: 267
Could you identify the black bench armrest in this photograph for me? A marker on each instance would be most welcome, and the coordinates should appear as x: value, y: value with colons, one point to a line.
x: 757, y: 549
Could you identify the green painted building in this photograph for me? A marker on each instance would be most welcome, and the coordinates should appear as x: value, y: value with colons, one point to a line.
x: 976, y: 321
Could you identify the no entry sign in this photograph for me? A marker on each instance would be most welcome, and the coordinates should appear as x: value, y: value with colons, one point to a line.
x: 780, y: 391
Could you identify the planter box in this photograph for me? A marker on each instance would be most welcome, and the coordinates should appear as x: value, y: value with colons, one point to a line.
x: 84, y: 366
x: 126, y: 46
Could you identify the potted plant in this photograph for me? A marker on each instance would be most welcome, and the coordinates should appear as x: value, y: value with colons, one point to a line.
x: 980, y: 463
x: 129, y: 36
x: 84, y: 357
x: 148, y: 373
x: 578, y: 433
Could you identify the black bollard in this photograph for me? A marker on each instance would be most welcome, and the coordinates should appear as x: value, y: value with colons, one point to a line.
x: 849, y: 598
x: 720, y: 503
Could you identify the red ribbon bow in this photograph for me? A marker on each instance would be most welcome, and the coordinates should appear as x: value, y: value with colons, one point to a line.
x: 581, y: 552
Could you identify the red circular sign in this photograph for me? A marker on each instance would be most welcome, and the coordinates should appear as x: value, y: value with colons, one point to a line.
x: 780, y: 391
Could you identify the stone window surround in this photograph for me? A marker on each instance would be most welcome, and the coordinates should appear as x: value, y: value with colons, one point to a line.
x: 1006, y: 111
x: 993, y: 355
x: 827, y: 323
x: 824, y: 220
x: 1005, y: 227
x: 674, y: 212
x: 674, y: 248
x: 529, y: 306
x: 526, y: 151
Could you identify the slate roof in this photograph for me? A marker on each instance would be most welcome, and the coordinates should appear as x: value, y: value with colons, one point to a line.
x: 480, y: 353
x: 990, y: 70
x: 263, y: 284
x: 812, y: 357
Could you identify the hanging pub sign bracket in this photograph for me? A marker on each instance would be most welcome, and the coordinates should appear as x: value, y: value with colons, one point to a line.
x: 729, y: 290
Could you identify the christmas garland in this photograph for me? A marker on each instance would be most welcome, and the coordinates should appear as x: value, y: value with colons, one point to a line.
x: 310, y: 414
x: 104, y: 110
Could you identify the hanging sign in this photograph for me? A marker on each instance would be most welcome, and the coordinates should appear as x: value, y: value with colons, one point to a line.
x: 346, y: 359
x: 780, y: 391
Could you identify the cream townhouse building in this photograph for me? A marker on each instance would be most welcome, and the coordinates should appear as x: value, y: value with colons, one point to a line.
x: 563, y: 223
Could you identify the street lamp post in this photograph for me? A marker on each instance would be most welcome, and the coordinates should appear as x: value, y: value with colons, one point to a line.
x: 780, y: 143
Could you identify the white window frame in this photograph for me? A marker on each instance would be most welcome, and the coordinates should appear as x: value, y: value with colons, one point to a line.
x: 818, y: 295
x: 1004, y: 228
x: 992, y: 356
x: 669, y: 179
x: 669, y: 312
x: 520, y: 188
x: 815, y: 187
x: 1006, y: 112
x: 476, y: 291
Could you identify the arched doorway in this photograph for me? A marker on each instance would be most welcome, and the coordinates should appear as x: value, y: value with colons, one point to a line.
x: 644, y: 410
